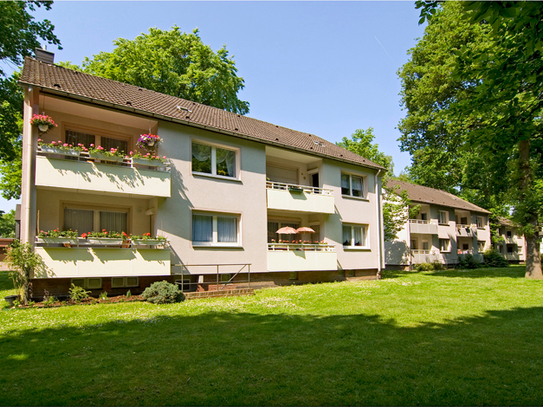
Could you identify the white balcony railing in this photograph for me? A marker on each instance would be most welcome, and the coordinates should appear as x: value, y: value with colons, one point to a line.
x: 428, y: 227
x: 466, y: 230
x: 301, y: 198
x: 126, y: 177
x: 301, y: 257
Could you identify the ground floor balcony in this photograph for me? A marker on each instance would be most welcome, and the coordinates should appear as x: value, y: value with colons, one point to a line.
x: 512, y: 256
x: 104, y: 261
x: 424, y: 256
x: 301, y: 257
x: 300, y: 198
x: 79, y: 174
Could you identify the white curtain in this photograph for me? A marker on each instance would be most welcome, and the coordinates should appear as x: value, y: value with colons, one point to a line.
x: 345, y: 184
x: 202, y: 228
x: 79, y: 220
x: 201, y: 158
x: 347, y: 236
x: 357, y: 236
x: 113, y: 221
x: 357, y: 186
x: 226, y: 160
x: 227, y: 229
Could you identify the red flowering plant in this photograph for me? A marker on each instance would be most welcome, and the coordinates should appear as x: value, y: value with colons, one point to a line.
x: 61, y: 145
x: 57, y: 233
x: 148, y: 156
x: 43, y: 122
x: 148, y: 142
x: 112, y: 152
x: 105, y: 234
x: 148, y: 236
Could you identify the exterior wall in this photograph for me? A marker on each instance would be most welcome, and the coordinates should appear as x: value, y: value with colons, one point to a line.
x: 353, y: 211
x: 245, y: 197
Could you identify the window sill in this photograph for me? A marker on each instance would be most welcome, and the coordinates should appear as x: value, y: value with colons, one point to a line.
x: 357, y: 248
x: 356, y: 198
x: 221, y: 177
x: 216, y: 246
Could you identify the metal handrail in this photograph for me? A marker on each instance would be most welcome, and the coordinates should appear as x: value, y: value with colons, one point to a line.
x: 304, y: 188
x: 217, y: 266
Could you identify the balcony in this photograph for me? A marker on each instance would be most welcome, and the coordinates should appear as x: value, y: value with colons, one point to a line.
x: 81, y: 261
x: 82, y: 174
x: 424, y: 256
x: 423, y: 226
x: 299, y: 198
x: 301, y: 257
x: 466, y: 230
x: 512, y: 256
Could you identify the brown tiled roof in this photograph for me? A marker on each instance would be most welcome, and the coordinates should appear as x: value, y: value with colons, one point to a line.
x: 506, y: 222
x: 418, y: 193
x: 106, y: 92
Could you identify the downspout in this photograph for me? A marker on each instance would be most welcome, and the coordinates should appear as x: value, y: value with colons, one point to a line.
x: 379, y: 225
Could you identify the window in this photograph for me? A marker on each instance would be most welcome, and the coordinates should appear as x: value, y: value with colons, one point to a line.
x: 215, y: 230
x: 425, y: 245
x: 120, y: 282
x: 93, y: 220
x: 355, y: 236
x: 443, y: 217
x: 352, y: 185
x: 88, y: 283
x: 509, y: 234
x: 414, y: 245
x: 213, y: 160
x: 480, y: 246
x: 480, y: 222
x: 444, y: 245
x: 77, y: 137
x: 423, y: 216
x: 274, y: 226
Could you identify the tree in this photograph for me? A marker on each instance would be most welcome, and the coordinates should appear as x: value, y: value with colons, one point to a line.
x: 472, y: 90
x: 7, y: 224
x: 394, y: 207
x: 19, y: 36
x: 174, y: 63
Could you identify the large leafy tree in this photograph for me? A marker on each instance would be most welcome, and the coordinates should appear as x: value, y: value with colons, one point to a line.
x: 174, y: 63
x: 20, y: 34
x: 472, y: 91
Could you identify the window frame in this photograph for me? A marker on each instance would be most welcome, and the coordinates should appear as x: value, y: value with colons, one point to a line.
x: 350, y: 195
x: 447, y: 249
x: 447, y: 220
x: 96, y: 217
x: 365, y: 235
x: 214, y: 146
x: 483, y: 223
x: 214, y: 230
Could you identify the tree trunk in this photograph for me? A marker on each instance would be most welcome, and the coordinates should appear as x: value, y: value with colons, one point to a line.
x: 533, y: 256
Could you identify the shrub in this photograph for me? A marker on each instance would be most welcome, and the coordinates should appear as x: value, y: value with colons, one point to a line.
x: 162, y: 292
x: 78, y: 293
x: 128, y: 294
x: 494, y: 259
x: 434, y: 266
x: 467, y: 261
x: 103, y: 295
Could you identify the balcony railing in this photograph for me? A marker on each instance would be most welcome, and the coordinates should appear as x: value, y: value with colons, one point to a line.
x: 428, y: 227
x: 301, y: 257
x: 466, y: 230
x: 83, y: 173
x: 301, y: 198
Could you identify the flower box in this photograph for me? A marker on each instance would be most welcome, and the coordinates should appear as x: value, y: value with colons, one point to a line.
x: 60, y: 151
x: 150, y: 242
x: 145, y: 161
x: 105, y: 241
x: 296, y: 190
x: 57, y: 240
x: 104, y: 157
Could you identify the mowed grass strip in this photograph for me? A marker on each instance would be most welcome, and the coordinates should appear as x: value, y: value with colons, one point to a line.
x: 443, y: 338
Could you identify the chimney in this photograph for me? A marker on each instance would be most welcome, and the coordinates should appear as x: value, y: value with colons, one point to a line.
x: 44, y: 55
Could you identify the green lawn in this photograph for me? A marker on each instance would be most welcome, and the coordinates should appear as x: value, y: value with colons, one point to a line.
x: 443, y: 338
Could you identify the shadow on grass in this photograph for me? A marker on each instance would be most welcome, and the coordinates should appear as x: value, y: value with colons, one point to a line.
x: 223, y: 358
x: 513, y: 271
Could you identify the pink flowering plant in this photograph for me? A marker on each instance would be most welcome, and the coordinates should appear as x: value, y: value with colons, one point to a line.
x: 149, y: 156
x: 148, y: 142
x: 112, y: 152
x: 43, y: 120
x: 61, y: 145
x: 57, y: 233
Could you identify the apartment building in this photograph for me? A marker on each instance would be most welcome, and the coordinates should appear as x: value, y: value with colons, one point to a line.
x: 227, y: 186
x: 445, y: 228
x: 512, y: 245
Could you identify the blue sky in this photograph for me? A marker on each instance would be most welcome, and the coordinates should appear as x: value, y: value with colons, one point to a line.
x: 326, y: 68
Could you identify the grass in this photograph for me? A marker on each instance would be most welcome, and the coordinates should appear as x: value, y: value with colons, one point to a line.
x: 434, y: 338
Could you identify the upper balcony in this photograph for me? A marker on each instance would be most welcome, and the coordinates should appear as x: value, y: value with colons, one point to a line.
x: 427, y: 227
x: 83, y: 173
x: 299, y: 198
x: 466, y: 230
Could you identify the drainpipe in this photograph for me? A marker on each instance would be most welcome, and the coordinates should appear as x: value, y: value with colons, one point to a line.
x: 379, y: 224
